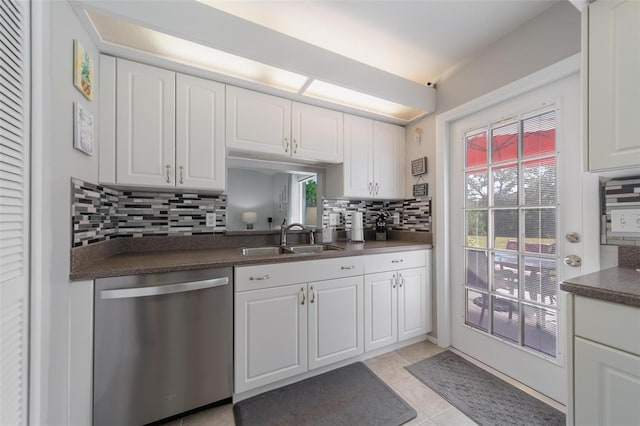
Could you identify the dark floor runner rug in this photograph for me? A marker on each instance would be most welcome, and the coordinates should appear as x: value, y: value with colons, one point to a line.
x: 351, y: 395
x: 481, y: 396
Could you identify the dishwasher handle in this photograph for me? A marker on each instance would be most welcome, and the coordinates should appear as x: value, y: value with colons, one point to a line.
x: 126, y: 293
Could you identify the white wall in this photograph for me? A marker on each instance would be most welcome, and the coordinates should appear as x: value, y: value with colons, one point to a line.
x: 56, y: 161
x: 544, y: 40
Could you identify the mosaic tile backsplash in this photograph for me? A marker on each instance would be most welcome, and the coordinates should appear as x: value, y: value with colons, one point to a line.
x: 620, y: 201
x: 101, y: 213
x: 415, y: 213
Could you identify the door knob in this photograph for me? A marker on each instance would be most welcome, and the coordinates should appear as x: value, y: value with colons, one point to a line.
x: 573, y: 260
x: 573, y: 237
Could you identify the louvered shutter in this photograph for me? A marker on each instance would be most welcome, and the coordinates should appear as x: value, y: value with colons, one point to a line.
x: 14, y: 210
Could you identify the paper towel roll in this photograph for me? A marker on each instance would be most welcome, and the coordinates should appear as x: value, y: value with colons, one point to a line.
x: 357, y: 230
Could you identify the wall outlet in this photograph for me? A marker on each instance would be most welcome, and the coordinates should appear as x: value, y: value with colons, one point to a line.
x: 333, y: 219
x: 396, y: 218
x: 211, y: 220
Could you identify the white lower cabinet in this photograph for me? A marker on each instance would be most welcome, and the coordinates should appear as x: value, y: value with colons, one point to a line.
x: 607, y: 388
x: 335, y: 321
x: 270, y: 335
x: 395, y: 307
x: 285, y: 330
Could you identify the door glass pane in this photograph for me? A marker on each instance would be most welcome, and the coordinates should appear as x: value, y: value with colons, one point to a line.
x: 505, y: 185
x: 539, y: 180
x: 540, y: 329
x: 540, y: 231
x: 477, y: 275
x: 505, y: 273
x: 476, y: 149
x: 477, y: 314
x: 505, y: 318
x: 505, y: 229
x: 539, y: 134
x: 477, y: 188
x: 477, y: 224
x: 540, y: 280
x: 504, y: 143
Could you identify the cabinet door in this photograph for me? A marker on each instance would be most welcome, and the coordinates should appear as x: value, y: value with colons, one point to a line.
x: 270, y: 335
x: 607, y: 385
x: 335, y: 320
x: 257, y: 122
x: 358, y: 157
x: 412, y: 303
x: 200, y: 156
x: 317, y: 133
x: 614, y: 88
x: 145, y: 117
x: 380, y: 310
x: 388, y: 155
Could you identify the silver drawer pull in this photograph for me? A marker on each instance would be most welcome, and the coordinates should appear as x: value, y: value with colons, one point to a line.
x: 348, y: 267
x: 262, y: 278
x: 397, y: 261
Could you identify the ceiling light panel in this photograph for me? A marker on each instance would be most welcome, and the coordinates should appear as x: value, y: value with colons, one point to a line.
x: 331, y: 93
x: 123, y: 33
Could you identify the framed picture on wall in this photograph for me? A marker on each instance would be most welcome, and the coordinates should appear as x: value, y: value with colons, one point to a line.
x: 82, y: 70
x: 82, y: 129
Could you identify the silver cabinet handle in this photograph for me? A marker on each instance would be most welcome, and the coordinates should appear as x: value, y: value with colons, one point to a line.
x: 295, y: 146
x: 286, y: 144
x: 370, y: 188
x: 126, y: 293
x: 346, y: 268
x: 313, y: 295
x: 303, y: 297
x: 400, y: 279
x: 397, y: 261
x: 168, y: 173
x: 393, y: 281
x: 181, y: 175
x: 377, y: 187
x: 262, y: 278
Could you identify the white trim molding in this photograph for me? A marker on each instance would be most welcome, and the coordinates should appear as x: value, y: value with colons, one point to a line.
x: 443, y: 211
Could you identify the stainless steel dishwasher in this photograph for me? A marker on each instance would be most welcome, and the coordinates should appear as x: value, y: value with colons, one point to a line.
x: 163, y: 344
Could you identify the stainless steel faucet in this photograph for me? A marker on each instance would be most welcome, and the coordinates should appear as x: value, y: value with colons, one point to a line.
x: 285, y: 229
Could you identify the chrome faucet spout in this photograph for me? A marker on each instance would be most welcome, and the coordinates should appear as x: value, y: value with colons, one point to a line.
x: 284, y: 230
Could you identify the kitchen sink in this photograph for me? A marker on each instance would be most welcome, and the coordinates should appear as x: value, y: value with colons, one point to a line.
x: 277, y: 250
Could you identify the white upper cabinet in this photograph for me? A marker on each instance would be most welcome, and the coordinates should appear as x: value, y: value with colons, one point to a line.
x: 257, y: 122
x: 145, y: 131
x: 263, y: 124
x: 373, y: 161
x: 200, y: 156
x: 160, y: 129
x: 614, y: 87
x: 317, y: 133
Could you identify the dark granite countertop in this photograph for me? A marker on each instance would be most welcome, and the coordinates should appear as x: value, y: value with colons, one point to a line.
x: 618, y: 285
x: 134, y: 263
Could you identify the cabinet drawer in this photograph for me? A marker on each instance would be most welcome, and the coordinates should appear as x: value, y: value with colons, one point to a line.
x: 392, y: 261
x: 277, y: 274
x: 609, y: 323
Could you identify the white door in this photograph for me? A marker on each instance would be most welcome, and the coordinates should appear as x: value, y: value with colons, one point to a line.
x: 257, y: 122
x: 200, y: 155
x: 271, y: 332
x: 516, y: 191
x: 380, y: 310
x: 607, y: 385
x: 388, y: 157
x: 145, y: 131
x: 335, y: 320
x: 317, y: 133
x: 358, y: 156
x: 412, y: 303
x: 14, y: 211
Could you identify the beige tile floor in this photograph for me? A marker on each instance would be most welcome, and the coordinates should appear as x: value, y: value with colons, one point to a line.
x: 432, y: 409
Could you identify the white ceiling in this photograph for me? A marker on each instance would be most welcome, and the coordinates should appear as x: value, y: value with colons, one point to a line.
x: 417, y: 40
